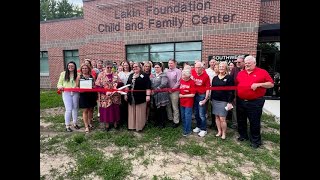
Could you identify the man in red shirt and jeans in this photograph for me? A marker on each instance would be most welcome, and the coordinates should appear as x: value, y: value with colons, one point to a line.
x: 251, y: 87
x: 202, y: 83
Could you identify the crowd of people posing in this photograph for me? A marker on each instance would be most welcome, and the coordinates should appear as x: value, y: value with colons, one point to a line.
x: 169, y: 96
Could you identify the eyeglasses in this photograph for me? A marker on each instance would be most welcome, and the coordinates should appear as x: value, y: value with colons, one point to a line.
x: 109, y: 67
x: 156, y: 67
x: 238, y: 62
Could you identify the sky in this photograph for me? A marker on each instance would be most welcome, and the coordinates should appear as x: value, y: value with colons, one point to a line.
x: 76, y: 2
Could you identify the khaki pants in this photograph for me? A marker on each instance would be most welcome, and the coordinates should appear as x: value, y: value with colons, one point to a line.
x: 137, y: 116
x: 173, y: 107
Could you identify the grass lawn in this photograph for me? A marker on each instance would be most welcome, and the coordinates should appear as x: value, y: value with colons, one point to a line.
x: 157, y: 154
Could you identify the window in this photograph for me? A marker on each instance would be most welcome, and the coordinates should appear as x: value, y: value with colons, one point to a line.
x: 161, y: 47
x: 138, y: 53
x: 71, y: 55
x: 162, y: 52
x: 44, y: 66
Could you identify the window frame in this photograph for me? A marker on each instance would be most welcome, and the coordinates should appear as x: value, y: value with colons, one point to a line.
x: 47, y: 73
x: 72, y: 55
x: 174, y: 50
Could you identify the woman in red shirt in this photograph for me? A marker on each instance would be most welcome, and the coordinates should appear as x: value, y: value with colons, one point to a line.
x: 187, y: 92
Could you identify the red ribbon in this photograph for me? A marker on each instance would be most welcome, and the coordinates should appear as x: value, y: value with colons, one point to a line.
x: 218, y: 88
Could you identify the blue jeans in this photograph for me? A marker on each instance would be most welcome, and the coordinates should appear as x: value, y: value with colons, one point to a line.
x: 186, y: 117
x: 200, y: 111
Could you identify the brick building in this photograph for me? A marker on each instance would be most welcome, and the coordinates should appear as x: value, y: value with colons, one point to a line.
x: 157, y: 30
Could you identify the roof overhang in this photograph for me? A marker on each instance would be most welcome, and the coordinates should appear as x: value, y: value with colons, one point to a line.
x: 269, y: 30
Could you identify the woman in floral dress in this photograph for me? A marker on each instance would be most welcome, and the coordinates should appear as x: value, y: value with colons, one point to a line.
x: 109, y: 101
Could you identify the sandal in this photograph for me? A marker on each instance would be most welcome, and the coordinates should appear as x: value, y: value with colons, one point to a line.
x: 76, y: 126
x: 90, y: 126
x: 86, y: 130
x: 68, y: 129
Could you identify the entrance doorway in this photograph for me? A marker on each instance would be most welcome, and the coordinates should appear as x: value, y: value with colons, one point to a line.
x: 268, y: 58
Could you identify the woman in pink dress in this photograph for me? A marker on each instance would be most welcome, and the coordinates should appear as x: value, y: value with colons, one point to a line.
x: 109, y: 101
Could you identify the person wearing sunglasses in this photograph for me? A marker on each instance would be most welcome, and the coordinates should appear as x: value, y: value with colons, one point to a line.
x: 234, y: 72
x: 109, y: 106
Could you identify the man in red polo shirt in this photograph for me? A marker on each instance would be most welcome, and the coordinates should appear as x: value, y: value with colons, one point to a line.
x: 251, y: 87
x: 202, y: 81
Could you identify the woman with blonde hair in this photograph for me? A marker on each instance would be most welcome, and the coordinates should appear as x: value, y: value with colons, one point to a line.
x: 222, y: 99
x: 124, y: 75
x: 87, y: 100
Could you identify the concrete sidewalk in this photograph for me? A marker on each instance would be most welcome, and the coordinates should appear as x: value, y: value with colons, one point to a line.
x: 272, y: 107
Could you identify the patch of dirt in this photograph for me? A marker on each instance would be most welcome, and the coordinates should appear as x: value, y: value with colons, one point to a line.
x: 93, y: 176
x: 155, y: 161
x: 109, y: 151
x: 45, y: 131
x: 274, y: 173
x: 247, y: 168
x: 52, y: 111
x: 177, y: 166
x: 268, y: 145
x: 223, y: 159
x: 269, y: 130
x: 44, y: 124
x: 61, y: 162
x: 50, y: 133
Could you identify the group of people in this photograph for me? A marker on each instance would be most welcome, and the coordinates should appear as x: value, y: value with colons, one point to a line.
x: 170, y: 95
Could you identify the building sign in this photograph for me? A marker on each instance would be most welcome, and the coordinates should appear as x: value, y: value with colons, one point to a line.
x: 194, y: 7
x: 228, y: 58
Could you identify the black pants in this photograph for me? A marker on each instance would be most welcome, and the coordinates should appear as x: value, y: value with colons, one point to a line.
x: 161, y: 116
x: 123, y: 112
x: 252, y: 110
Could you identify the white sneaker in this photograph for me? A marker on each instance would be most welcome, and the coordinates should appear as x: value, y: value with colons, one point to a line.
x: 98, y: 114
x: 196, y: 130
x: 202, y: 133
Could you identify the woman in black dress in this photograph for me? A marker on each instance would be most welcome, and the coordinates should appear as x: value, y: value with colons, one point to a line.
x: 87, y: 100
x: 222, y: 99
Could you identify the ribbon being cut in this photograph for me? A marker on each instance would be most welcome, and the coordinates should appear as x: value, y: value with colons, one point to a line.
x: 123, y: 91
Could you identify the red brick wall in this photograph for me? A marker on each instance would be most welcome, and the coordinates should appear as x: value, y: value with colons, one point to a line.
x: 245, y: 10
x: 225, y: 38
x: 56, y: 36
x: 59, y: 30
x: 270, y: 12
x: 45, y: 82
x: 229, y: 44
